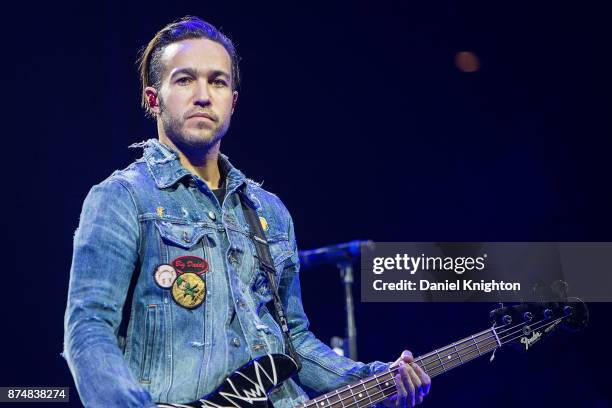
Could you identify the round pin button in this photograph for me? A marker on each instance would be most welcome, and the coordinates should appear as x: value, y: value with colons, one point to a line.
x: 264, y: 223
x: 164, y: 276
x: 212, y: 215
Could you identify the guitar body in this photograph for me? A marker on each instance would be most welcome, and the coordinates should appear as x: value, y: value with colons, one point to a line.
x: 248, y: 387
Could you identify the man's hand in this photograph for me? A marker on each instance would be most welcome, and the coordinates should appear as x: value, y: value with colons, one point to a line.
x: 411, y: 381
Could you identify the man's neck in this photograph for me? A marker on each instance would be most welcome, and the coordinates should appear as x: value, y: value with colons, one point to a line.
x: 204, y: 164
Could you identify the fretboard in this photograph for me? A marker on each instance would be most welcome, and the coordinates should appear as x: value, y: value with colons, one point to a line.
x: 380, y: 386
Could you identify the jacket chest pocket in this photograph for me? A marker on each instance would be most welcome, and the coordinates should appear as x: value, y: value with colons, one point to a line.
x: 180, y: 238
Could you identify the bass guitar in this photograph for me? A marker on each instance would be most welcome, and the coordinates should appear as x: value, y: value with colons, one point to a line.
x: 522, y: 325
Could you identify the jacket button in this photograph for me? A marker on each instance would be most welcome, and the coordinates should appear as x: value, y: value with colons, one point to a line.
x: 212, y: 215
x: 236, y: 341
x: 185, y: 236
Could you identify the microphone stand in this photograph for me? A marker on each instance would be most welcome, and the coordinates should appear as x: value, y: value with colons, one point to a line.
x: 342, y: 256
x: 346, y: 273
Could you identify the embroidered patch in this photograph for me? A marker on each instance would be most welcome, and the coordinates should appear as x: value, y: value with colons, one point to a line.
x: 190, y: 264
x: 189, y: 290
x: 164, y: 276
x: 160, y: 211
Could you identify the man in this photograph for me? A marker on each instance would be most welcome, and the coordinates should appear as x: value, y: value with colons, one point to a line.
x: 166, y: 295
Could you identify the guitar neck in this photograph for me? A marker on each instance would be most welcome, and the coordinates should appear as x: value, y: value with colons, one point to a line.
x: 378, y: 387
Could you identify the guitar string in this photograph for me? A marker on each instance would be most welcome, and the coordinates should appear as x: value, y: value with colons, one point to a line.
x: 391, y: 371
x: 490, y: 340
x: 501, y: 335
x: 372, y: 398
x: 502, y: 339
x: 393, y: 388
x: 377, y: 386
x: 500, y: 331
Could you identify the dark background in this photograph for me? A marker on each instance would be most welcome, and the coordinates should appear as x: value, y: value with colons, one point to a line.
x: 355, y: 114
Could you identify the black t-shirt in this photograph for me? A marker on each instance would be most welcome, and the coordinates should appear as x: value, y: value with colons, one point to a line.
x: 220, y: 193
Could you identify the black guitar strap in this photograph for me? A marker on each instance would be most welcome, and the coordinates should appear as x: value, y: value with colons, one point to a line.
x: 266, y: 264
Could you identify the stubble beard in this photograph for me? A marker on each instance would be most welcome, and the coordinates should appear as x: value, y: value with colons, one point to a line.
x: 191, y: 145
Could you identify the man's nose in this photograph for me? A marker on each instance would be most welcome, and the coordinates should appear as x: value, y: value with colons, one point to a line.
x: 202, y: 97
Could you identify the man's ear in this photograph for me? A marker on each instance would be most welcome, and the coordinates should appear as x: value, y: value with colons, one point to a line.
x: 152, y: 99
x: 234, y: 100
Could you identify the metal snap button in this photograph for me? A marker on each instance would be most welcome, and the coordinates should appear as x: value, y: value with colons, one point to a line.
x: 185, y: 236
x: 236, y: 341
x: 212, y: 215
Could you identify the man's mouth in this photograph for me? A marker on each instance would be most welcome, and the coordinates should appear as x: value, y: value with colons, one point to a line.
x: 202, y: 116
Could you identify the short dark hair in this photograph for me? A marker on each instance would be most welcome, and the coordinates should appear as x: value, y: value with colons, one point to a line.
x: 188, y: 27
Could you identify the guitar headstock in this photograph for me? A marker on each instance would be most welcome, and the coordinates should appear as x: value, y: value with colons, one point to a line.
x: 527, y: 323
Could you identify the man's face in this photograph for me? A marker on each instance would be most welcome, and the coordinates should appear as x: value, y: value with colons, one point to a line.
x: 195, y: 98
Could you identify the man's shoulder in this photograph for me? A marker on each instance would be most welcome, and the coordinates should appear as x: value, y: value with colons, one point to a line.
x: 264, y: 197
x: 130, y: 177
x: 134, y: 174
x: 271, y: 207
x: 129, y: 181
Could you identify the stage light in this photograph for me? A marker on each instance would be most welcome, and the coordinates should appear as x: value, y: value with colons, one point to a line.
x: 467, y: 61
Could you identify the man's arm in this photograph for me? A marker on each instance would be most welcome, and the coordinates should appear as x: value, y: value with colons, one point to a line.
x: 104, y: 258
x: 322, y: 368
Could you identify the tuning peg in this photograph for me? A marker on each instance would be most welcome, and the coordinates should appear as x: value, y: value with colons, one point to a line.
x: 528, y: 316
x: 548, y: 313
x: 507, y: 319
x: 568, y: 310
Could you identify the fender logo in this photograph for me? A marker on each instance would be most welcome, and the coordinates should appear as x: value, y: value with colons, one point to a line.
x: 529, y: 341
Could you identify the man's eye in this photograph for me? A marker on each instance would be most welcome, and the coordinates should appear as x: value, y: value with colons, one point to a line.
x: 183, y: 81
x: 219, y: 83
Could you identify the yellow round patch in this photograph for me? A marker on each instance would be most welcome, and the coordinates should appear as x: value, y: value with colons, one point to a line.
x: 189, y: 290
x: 264, y: 223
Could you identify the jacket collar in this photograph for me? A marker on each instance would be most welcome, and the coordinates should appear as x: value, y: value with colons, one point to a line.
x: 165, y: 167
